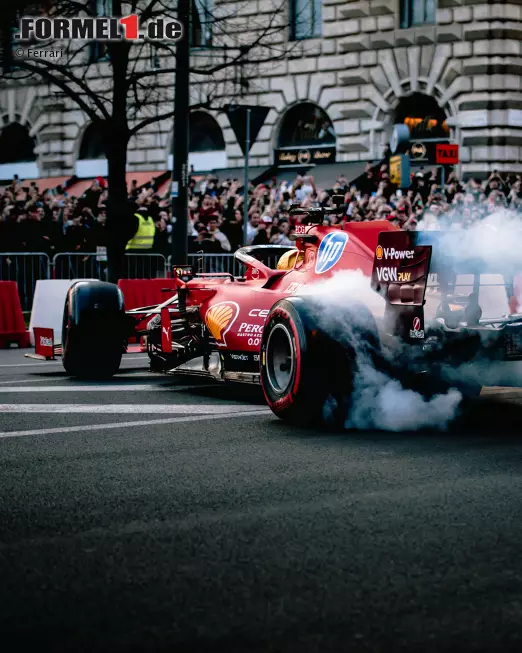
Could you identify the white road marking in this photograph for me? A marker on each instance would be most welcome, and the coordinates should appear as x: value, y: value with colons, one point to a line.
x: 40, y: 364
x: 124, y: 425
x: 143, y: 357
x: 125, y: 408
x: 24, y: 381
x: 144, y: 375
x: 131, y: 387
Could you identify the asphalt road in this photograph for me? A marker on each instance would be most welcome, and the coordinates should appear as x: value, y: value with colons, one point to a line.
x: 209, y: 525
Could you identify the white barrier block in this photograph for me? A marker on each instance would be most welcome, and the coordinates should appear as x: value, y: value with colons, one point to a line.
x: 48, y: 303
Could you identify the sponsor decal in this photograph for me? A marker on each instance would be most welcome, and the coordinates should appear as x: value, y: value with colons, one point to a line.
x: 239, y: 357
x: 310, y: 259
x: 387, y: 274
x: 285, y: 401
x: 300, y: 229
x: 251, y: 331
x: 293, y: 288
x: 259, y: 312
x: 397, y: 254
x: 416, y: 332
x: 255, y: 273
x: 166, y: 330
x: 330, y: 251
x: 219, y: 318
x: 256, y: 358
x: 43, y: 342
x: 378, y: 252
x: 391, y: 274
x: 245, y: 329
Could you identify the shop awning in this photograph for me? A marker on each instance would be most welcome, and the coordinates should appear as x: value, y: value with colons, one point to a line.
x: 142, y: 178
x: 78, y: 187
x: 43, y: 183
x: 47, y: 183
x: 326, y: 175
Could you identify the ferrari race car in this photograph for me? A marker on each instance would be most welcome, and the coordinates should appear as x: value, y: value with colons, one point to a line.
x: 304, y: 347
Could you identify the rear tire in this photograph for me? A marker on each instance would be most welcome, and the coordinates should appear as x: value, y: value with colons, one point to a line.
x: 93, y: 333
x: 304, y: 364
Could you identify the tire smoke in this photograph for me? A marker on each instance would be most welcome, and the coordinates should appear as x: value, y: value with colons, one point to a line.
x: 378, y: 400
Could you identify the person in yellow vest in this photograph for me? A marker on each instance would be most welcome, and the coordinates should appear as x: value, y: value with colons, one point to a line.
x: 143, y: 240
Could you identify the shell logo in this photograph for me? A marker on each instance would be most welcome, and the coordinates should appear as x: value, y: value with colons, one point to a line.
x: 219, y: 318
x: 378, y: 252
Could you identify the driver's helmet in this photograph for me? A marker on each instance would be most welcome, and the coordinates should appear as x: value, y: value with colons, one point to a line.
x: 288, y: 259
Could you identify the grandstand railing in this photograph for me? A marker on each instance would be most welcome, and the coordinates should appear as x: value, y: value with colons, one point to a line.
x: 26, y: 268
x: 75, y: 265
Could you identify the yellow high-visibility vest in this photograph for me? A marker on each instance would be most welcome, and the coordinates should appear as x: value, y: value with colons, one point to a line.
x: 144, y: 237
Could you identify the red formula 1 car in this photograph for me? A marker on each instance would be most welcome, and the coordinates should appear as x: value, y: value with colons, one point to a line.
x: 262, y: 328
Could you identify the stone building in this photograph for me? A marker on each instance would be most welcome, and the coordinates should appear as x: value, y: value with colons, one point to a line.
x: 448, y: 68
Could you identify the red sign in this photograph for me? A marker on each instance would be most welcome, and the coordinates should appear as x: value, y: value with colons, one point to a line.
x: 447, y: 153
x: 44, y: 342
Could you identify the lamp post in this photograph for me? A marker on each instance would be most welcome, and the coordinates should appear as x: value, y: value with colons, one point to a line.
x: 180, y: 143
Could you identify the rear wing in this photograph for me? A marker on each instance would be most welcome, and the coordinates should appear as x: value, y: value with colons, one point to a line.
x: 406, y: 263
x: 400, y: 275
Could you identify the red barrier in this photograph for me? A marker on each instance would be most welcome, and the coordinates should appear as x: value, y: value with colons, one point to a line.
x: 12, y: 324
x: 145, y: 292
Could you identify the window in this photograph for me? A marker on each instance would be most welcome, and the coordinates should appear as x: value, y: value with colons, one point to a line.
x: 97, y: 50
x: 16, y: 144
x: 423, y: 116
x: 201, y: 24
x: 93, y: 142
x: 306, y: 124
x: 417, y: 12
x: 103, y: 7
x: 154, y: 60
x: 305, y: 19
x: 205, y: 133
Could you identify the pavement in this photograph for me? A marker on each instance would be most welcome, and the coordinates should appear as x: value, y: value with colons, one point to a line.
x: 155, y: 513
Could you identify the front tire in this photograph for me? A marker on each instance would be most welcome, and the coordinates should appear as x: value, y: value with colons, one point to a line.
x: 93, y: 333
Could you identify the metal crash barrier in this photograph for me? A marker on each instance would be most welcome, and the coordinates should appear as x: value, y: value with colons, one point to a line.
x: 75, y: 265
x: 26, y: 268
x: 211, y: 263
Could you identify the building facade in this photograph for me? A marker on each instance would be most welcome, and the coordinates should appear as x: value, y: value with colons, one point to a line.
x: 447, y: 68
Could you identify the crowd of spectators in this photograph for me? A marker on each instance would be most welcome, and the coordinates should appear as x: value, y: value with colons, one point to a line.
x: 54, y: 222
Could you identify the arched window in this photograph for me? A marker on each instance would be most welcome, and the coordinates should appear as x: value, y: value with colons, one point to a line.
x: 91, y: 159
x: 207, y: 148
x: 92, y: 145
x: 16, y: 144
x: 306, y: 124
x: 202, y: 19
x: 423, y: 116
x: 205, y: 133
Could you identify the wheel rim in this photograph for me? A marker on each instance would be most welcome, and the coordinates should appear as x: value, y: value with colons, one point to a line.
x: 280, y: 359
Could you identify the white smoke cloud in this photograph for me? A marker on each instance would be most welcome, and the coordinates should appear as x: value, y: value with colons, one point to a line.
x: 495, y: 239
x: 378, y: 400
